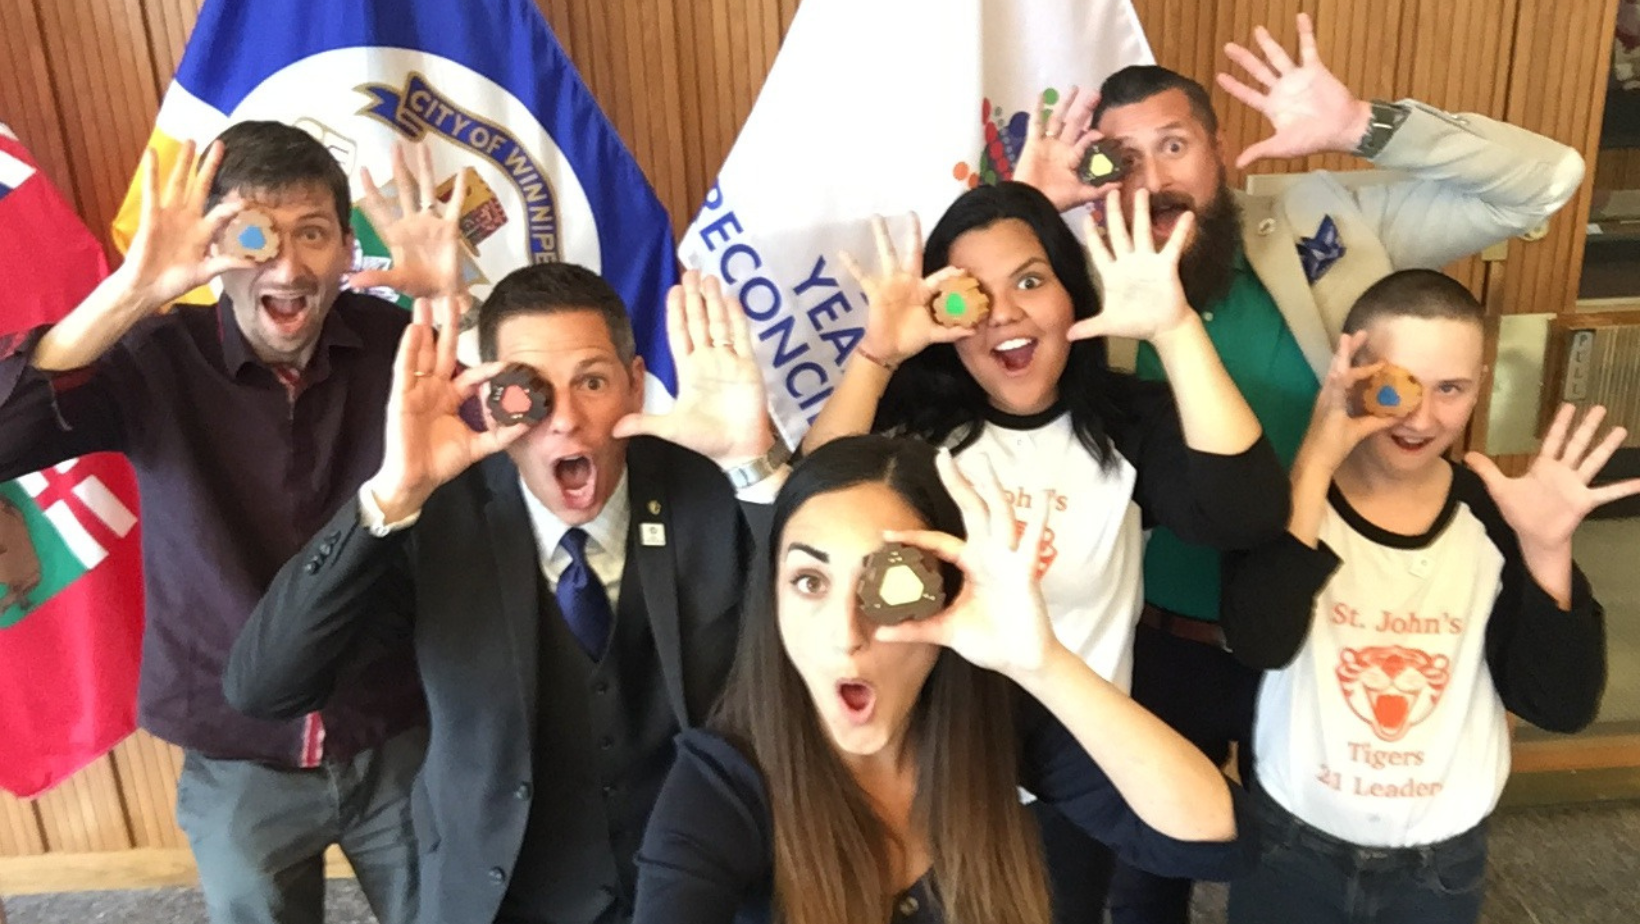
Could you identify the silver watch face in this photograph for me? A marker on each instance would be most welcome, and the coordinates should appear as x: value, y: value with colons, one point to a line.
x: 750, y: 473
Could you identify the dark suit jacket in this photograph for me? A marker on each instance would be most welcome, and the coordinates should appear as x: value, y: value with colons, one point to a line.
x: 464, y: 580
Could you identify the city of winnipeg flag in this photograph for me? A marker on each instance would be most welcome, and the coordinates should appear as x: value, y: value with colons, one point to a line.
x: 485, y: 83
x: 70, y: 561
x: 853, y: 121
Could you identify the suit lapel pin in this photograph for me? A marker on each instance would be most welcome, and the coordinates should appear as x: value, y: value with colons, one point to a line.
x: 654, y: 508
x: 652, y: 534
x: 1320, y: 252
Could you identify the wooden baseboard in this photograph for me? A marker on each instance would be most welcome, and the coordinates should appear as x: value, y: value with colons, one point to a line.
x: 141, y: 868
x: 1589, y: 752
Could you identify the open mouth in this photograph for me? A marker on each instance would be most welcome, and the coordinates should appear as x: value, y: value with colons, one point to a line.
x: 1164, y: 215
x: 1409, y: 444
x: 859, y: 700
x: 286, y: 312
x: 1015, y: 355
x: 577, y: 480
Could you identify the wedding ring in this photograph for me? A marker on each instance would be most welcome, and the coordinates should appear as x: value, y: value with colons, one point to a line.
x: 723, y: 343
x: 420, y: 374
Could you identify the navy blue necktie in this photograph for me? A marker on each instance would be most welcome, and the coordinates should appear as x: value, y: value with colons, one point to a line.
x: 582, y: 598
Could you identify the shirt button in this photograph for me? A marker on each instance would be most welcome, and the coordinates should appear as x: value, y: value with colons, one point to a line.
x: 326, y: 547
x: 601, y: 687
x: 908, y: 906
x: 522, y: 793
x: 498, y: 875
x: 609, y: 790
x: 1207, y: 315
x: 605, y: 743
x: 312, y: 566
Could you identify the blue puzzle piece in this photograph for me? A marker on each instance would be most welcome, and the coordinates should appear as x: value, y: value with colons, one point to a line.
x: 1319, y: 253
x: 252, y: 238
x: 1388, y: 396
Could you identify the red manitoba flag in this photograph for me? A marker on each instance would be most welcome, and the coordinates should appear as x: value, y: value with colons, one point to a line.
x: 70, y: 565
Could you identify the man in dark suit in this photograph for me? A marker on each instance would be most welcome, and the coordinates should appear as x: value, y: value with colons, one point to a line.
x: 574, y: 600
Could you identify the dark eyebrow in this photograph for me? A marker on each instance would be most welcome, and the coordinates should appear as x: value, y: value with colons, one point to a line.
x: 593, y: 362
x: 1127, y: 141
x: 1028, y: 264
x: 811, y: 550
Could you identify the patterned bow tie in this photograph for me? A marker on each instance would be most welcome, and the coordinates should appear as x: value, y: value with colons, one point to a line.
x: 1319, y: 253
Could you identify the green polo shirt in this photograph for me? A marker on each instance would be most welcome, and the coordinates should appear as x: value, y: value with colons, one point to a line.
x: 1265, y: 362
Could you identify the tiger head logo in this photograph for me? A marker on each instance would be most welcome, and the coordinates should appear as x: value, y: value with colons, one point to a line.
x: 1392, y: 688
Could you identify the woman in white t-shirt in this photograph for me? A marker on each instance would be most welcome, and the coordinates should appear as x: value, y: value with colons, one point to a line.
x: 1029, y: 394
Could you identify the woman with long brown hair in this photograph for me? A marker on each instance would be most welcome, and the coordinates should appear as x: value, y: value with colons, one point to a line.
x: 860, y: 773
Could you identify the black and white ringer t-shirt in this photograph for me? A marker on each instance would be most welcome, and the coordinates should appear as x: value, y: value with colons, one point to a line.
x: 1384, y: 723
x: 1092, y: 550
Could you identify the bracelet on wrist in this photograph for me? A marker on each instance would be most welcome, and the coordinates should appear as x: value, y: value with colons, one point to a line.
x: 870, y: 357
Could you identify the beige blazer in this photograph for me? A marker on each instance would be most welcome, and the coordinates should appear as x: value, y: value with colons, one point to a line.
x: 1471, y: 182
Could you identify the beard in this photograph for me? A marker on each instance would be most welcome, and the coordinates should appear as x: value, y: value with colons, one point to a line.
x: 1209, y: 262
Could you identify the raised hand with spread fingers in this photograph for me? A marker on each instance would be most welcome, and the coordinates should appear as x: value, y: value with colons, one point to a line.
x: 999, y: 621
x: 423, y: 236
x: 1309, y: 109
x: 899, y: 320
x: 721, y: 412
x: 426, y: 442
x: 1056, y: 139
x: 1141, y: 296
x: 172, y: 253
x: 1545, y: 505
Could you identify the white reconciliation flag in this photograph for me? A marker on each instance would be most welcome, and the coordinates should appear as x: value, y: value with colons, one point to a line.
x: 885, y: 107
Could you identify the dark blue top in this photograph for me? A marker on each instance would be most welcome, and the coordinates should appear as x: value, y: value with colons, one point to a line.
x: 707, y: 856
x: 235, y: 474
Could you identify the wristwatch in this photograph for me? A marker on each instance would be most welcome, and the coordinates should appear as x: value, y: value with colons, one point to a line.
x: 747, y: 474
x: 1381, y: 126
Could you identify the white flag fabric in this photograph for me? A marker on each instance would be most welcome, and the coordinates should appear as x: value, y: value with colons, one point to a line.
x: 878, y: 107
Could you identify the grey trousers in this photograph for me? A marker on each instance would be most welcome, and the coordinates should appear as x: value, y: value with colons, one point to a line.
x: 259, y: 833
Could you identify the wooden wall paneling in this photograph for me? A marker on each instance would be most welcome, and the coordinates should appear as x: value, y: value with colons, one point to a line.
x: 98, y: 52
x: 788, y: 9
x: 28, y: 99
x: 20, y: 833
x: 1361, y: 43
x: 86, y: 813
x: 704, y: 92
x: 1176, y: 39
x: 1559, y: 67
x: 1241, y: 124
x: 1457, y: 57
x: 169, y: 23
x: 692, y: 146
x: 148, y: 770
x: 740, y: 53
x: 626, y: 88
x: 719, y: 76
x: 670, y: 172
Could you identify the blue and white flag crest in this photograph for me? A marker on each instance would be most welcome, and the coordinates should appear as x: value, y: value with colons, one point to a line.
x: 485, y: 83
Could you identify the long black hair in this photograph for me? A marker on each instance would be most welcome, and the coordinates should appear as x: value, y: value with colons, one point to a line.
x: 933, y: 397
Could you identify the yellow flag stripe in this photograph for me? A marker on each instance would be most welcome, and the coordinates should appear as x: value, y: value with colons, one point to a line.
x: 124, y: 226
